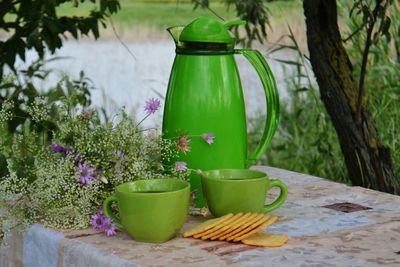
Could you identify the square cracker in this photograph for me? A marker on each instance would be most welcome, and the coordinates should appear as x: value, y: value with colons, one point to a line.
x: 256, y: 230
x: 206, y: 225
x: 255, y: 219
x: 247, y: 228
x: 239, y: 221
x: 236, y: 225
x: 265, y: 240
x: 218, y: 225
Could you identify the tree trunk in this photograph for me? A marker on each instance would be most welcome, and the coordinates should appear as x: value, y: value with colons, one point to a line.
x: 368, y: 162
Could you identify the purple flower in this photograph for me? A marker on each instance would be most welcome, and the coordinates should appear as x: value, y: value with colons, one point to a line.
x: 88, y: 114
x: 86, y: 173
x: 67, y: 150
x: 100, y: 222
x: 152, y: 105
x: 57, y: 148
x: 180, y: 166
x: 103, y: 223
x: 97, y: 221
x: 108, y: 227
x: 183, y: 144
x: 209, y: 138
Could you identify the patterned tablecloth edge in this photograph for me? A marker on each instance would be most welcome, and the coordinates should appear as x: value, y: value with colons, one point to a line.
x: 38, y: 246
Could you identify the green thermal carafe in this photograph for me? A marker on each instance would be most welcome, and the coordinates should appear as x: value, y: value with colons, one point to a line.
x: 205, y: 96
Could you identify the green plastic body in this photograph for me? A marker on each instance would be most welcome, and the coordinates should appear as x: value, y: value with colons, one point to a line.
x: 150, y: 211
x: 205, y: 96
x: 234, y: 191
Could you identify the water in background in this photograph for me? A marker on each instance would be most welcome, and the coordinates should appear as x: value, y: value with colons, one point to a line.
x: 124, y: 81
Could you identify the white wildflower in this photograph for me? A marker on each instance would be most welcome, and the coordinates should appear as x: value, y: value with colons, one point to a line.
x: 39, y: 110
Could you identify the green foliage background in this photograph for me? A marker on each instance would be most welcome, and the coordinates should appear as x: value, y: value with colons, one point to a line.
x: 305, y: 141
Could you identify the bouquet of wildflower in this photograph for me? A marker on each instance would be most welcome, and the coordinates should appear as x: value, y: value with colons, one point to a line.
x: 62, y: 184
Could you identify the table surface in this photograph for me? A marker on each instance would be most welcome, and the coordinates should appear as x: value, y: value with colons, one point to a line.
x: 328, y: 224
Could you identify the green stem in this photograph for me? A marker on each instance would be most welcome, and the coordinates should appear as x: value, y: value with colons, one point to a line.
x: 143, y: 120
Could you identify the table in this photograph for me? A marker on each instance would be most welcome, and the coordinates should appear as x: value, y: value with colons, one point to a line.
x: 329, y: 224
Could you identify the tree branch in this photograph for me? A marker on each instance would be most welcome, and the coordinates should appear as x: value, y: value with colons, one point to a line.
x: 370, y: 24
x: 353, y: 34
x: 209, y: 9
x: 120, y: 40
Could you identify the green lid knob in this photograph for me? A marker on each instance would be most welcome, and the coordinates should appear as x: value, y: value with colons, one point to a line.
x: 209, y: 30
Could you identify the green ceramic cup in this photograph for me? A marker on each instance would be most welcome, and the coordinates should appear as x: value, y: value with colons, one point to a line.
x: 237, y: 190
x: 150, y: 211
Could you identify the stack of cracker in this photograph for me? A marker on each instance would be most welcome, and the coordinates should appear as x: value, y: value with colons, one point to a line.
x: 240, y: 227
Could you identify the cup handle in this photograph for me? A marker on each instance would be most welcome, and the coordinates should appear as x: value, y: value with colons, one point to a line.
x: 108, y: 212
x: 282, y: 196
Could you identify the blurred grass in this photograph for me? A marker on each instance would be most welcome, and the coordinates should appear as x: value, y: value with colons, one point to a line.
x: 305, y: 140
x: 166, y: 13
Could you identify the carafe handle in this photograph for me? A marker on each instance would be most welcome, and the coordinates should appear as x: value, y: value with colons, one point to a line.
x: 258, y: 61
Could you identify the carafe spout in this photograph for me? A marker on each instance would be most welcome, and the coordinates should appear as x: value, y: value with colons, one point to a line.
x: 175, y: 33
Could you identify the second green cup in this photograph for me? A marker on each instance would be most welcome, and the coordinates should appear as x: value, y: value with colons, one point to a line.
x: 240, y: 190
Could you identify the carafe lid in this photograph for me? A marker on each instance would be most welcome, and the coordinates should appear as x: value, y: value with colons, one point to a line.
x: 209, y: 30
